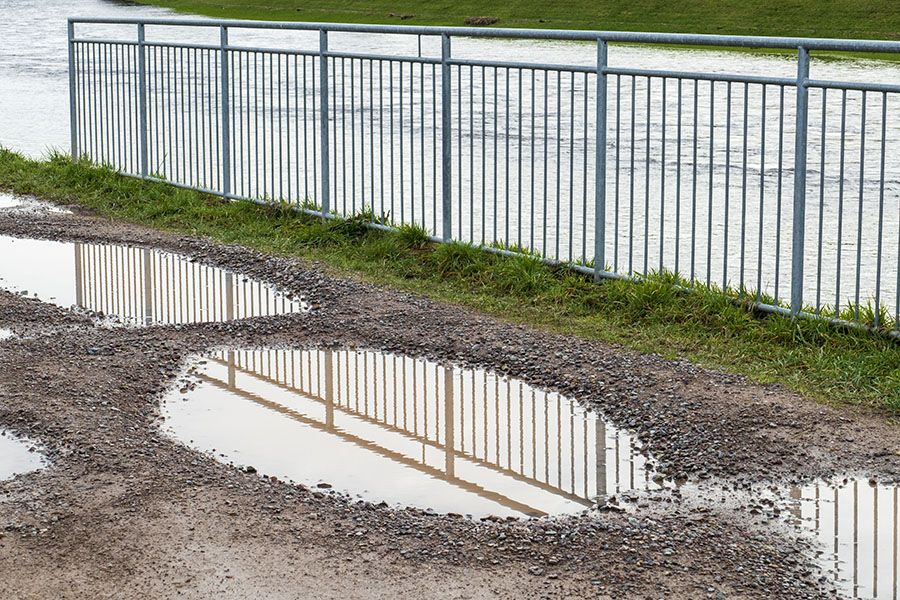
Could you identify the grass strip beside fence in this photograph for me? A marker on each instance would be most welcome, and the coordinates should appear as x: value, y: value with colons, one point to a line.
x: 706, y: 326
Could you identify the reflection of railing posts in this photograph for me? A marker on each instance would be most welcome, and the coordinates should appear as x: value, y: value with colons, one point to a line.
x: 600, y: 451
x: 231, y: 370
x: 799, y: 224
x: 229, y: 296
x: 148, y: 286
x: 329, y: 390
x: 79, y: 280
x: 796, y: 495
x: 448, y: 422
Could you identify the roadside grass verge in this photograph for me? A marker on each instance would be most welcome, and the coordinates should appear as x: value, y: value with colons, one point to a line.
x: 830, y: 364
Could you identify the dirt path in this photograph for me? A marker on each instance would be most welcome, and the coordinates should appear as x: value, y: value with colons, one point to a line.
x: 125, y: 512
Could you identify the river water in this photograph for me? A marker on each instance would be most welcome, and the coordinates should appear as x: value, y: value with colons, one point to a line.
x: 700, y: 178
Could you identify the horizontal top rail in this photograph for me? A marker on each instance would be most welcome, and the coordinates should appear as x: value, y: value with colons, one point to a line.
x: 679, y: 39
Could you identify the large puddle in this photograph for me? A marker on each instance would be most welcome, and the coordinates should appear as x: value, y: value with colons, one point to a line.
x: 411, y: 432
x: 136, y: 285
x: 405, y: 431
x: 18, y: 456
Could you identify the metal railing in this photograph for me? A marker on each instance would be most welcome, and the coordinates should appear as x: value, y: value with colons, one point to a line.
x: 778, y: 186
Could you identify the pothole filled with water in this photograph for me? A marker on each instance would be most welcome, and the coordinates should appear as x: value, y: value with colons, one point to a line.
x: 5, y: 333
x: 18, y: 456
x: 138, y: 286
x: 405, y: 431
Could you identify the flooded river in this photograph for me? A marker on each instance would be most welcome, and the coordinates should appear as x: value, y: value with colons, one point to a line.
x: 520, y: 178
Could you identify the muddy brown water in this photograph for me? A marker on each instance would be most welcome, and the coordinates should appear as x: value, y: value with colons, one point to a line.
x: 18, y: 456
x: 411, y: 432
x: 134, y: 285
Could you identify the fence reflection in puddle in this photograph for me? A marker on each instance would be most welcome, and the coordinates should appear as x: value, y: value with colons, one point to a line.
x: 137, y: 285
x: 511, y: 448
x: 857, y: 526
x: 153, y: 287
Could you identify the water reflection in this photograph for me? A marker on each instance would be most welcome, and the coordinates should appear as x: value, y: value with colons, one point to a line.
x: 8, y: 201
x: 406, y: 431
x: 136, y: 285
x: 857, y: 527
x: 17, y: 456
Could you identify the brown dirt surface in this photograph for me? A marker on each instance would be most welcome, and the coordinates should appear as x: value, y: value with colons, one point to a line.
x: 123, y: 511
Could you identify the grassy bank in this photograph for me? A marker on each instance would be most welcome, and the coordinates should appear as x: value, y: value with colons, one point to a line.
x: 831, y: 365
x: 869, y: 19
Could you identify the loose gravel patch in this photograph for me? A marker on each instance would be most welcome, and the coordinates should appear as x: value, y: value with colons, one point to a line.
x: 126, y: 512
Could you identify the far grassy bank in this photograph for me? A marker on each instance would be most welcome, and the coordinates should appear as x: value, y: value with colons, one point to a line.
x: 866, y: 19
x: 832, y: 365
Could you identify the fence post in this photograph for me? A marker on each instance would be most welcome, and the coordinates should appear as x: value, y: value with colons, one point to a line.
x: 446, y: 140
x: 323, y: 122
x: 799, y: 219
x: 600, y: 182
x: 226, y: 114
x: 73, y: 112
x: 142, y: 98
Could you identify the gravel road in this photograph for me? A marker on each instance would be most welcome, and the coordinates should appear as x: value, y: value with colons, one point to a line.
x: 123, y: 511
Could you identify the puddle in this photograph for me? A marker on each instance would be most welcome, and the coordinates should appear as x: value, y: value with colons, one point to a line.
x: 8, y: 201
x: 405, y: 431
x: 5, y: 334
x: 856, y: 525
x: 18, y: 456
x: 136, y: 285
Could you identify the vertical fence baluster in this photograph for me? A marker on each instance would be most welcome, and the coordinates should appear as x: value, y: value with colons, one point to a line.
x: 226, y: 123
x: 799, y: 220
x: 142, y: 98
x: 446, y: 139
x: 323, y: 121
x: 600, y: 164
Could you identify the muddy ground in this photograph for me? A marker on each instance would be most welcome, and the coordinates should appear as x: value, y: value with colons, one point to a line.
x: 125, y: 512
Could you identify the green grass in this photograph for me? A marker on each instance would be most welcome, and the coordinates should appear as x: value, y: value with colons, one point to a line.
x: 868, y: 19
x: 705, y: 326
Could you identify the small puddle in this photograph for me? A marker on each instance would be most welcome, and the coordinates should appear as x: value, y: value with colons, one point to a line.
x: 138, y: 286
x: 8, y: 201
x: 5, y: 334
x: 18, y: 456
x: 406, y: 431
x: 856, y: 525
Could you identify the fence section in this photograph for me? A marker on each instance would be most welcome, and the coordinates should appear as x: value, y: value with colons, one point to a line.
x: 768, y: 181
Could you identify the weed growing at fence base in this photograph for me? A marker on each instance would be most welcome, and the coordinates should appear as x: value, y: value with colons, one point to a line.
x: 705, y: 326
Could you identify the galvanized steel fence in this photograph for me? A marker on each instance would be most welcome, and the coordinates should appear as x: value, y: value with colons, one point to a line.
x: 783, y: 189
